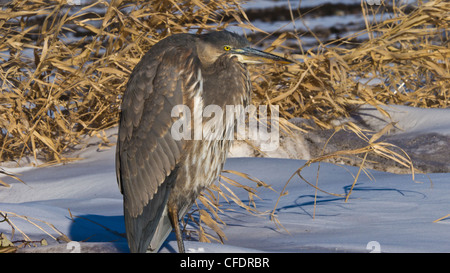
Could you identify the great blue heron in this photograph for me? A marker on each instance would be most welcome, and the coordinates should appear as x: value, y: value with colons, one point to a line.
x: 161, y: 176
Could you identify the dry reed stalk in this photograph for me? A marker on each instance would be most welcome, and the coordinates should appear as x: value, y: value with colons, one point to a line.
x: 4, y: 184
x: 442, y: 218
x: 26, y: 239
x: 211, y: 198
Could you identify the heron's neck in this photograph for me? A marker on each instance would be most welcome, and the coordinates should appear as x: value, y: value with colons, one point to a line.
x: 225, y: 82
x: 223, y: 64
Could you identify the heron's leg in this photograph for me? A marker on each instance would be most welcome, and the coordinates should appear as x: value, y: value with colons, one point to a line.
x: 173, y: 215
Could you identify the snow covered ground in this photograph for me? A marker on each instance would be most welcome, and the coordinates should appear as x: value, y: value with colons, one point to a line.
x: 387, y: 212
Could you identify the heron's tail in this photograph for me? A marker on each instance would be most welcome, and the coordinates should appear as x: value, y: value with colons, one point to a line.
x: 147, y: 236
x: 164, y: 228
x: 147, y: 231
x: 161, y: 233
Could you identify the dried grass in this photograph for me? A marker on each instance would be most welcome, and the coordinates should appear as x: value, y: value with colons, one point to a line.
x: 441, y: 218
x: 62, y: 75
x: 14, y: 176
x: 11, y: 245
x: 221, y: 191
x: 407, y: 62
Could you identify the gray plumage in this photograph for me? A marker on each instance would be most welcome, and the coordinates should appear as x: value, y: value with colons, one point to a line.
x: 161, y: 177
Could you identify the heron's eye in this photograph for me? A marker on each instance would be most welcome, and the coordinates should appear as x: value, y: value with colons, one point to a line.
x: 227, y: 48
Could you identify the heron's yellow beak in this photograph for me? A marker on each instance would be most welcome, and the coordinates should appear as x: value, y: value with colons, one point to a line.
x: 253, y: 56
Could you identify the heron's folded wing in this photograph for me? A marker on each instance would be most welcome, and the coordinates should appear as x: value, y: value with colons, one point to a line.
x: 146, y: 152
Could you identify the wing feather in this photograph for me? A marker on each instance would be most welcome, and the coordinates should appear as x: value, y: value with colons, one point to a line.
x: 147, y: 155
x: 146, y: 152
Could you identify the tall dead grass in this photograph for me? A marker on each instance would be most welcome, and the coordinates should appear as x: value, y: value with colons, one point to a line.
x: 63, y: 68
x: 404, y: 61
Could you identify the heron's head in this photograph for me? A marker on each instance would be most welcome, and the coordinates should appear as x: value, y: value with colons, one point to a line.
x: 212, y: 45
